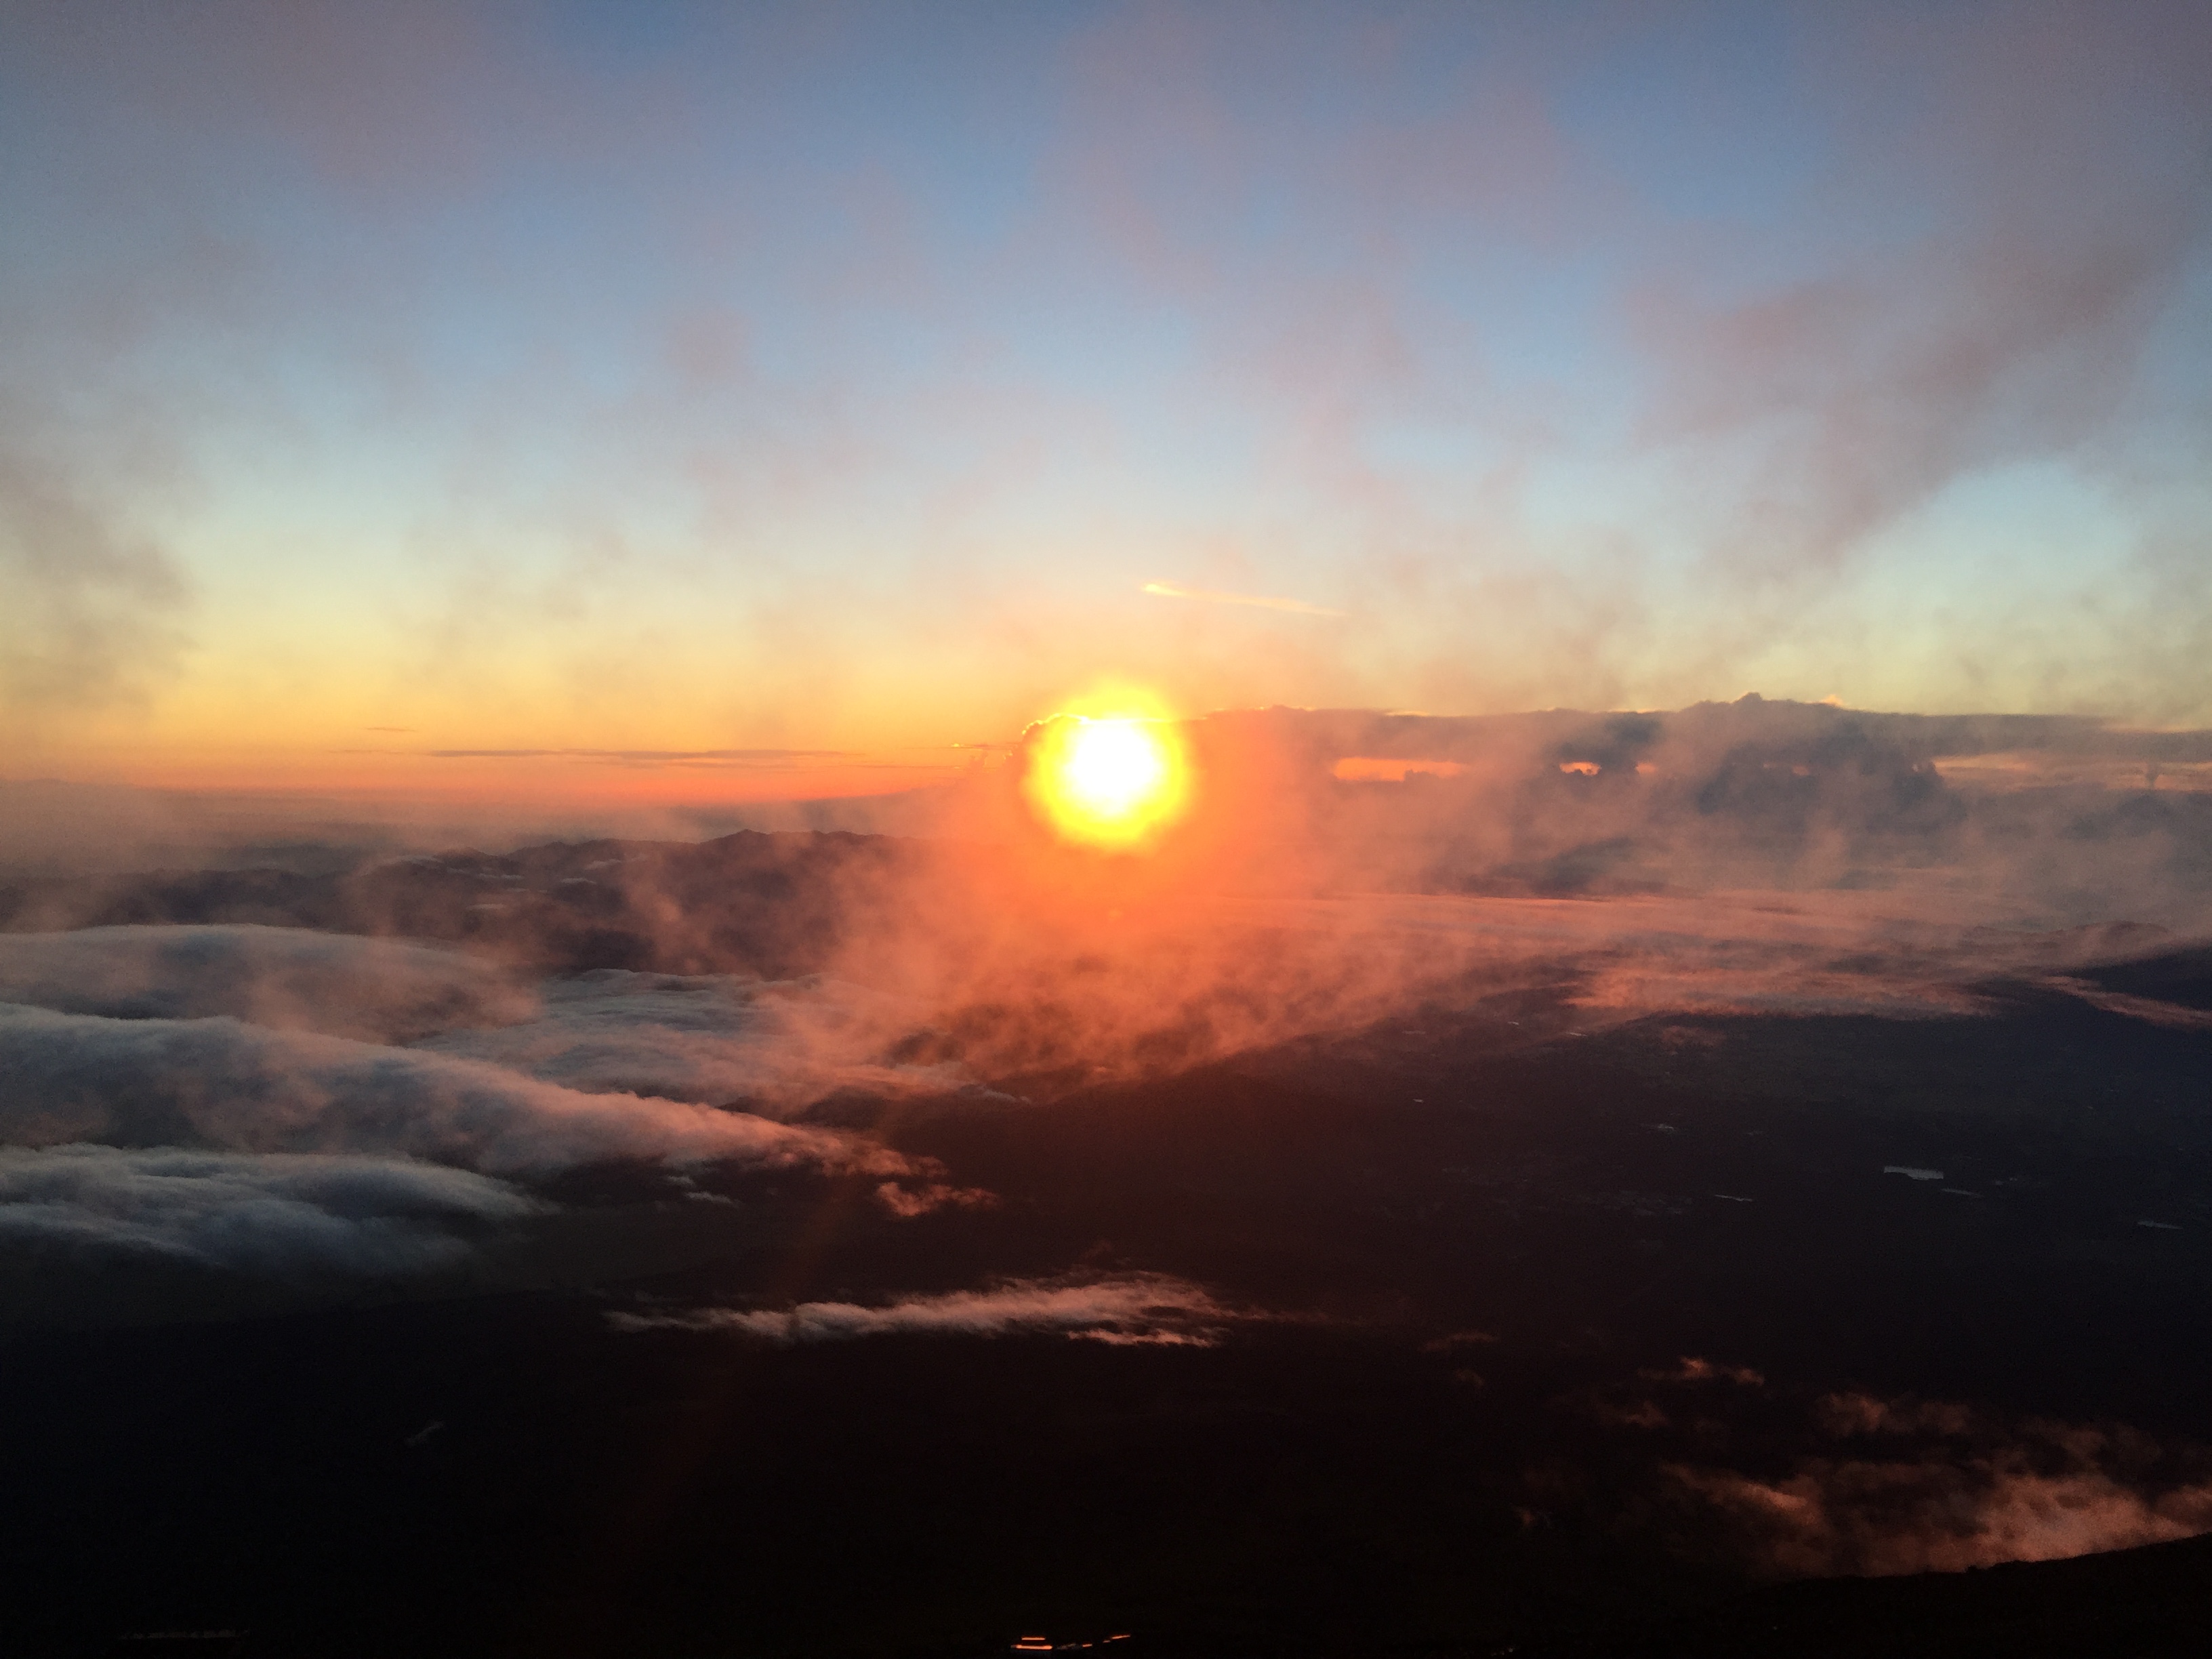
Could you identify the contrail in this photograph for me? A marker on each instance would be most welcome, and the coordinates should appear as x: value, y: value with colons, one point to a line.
x: 1170, y: 591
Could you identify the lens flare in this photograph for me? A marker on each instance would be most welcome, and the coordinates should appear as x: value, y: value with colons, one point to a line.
x: 1112, y: 783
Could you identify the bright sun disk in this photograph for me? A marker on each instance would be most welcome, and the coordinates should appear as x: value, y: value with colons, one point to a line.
x: 1107, y: 782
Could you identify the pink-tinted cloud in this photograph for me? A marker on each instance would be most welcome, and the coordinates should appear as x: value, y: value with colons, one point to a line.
x: 1934, y: 1486
x: 927, y: 1198
x: 1142, y: 1308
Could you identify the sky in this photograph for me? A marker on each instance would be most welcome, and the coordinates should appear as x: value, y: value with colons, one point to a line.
x: 715, y: 402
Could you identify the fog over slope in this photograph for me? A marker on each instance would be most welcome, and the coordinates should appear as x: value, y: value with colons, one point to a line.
x: 1336, y: 868
x: 516, y: 1014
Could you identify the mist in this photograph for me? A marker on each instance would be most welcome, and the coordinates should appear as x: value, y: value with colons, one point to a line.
x: 1335, y: 870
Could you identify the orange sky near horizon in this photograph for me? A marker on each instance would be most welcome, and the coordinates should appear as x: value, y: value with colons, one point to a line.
x: 579, y: 777
x: 389, y: 388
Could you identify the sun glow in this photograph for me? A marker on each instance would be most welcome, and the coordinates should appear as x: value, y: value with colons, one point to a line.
x: 1112, y: 783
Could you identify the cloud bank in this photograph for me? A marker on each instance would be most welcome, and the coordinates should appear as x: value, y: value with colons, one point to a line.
x: 776, y: 1046
x: 286, y: 978
x: 278, y: 1214
x: 1745, y: 857
x: 220, y: 1083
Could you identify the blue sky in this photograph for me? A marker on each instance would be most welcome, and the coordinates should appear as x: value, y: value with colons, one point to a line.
x: 633, y: 375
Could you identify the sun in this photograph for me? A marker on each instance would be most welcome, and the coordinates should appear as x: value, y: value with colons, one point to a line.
x: 1111, y: 783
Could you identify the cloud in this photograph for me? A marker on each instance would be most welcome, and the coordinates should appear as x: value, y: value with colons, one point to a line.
x: 1260, y: 602
x: 1936, y: 1487
x: 1693, y: 1369
x: 1886, y: 1518
x: 774, y: 1045
x: 1398, y: 309
x: 926, y: 1199
x: 292, y: 978
x: 1781, y: 324
x: 281, y: 1214
x: 220, y: 1083
x: 94, y: 612
x: 1751, y: 857
x: 2151, y: 1010
x: 1151, y: 1309
x: 249, y: 1132
x: 1832, y: 402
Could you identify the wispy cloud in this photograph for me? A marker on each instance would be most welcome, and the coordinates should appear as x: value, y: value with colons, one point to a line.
x: 1130, y: 1308
x: 94, y: 612
x: 2045, y: 1492
x: 289, y: 978
x: 1257, y: 601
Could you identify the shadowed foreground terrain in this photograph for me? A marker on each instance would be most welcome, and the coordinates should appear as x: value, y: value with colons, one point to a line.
x: 1513, y: 1337
x: 2154, y: 1600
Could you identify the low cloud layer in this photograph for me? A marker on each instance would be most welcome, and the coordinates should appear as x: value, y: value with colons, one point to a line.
x: 1736, y: 858
x: 280, y: 1214
x: 289, y: 978
x: 220, y: 1083
x: 774, y: 1045
x: 256, y: 1112
x: 1153, y: 1309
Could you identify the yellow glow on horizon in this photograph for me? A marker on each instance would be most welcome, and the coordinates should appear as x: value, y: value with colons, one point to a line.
x: 1107, y: 783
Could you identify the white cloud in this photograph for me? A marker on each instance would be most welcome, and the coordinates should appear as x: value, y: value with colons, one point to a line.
x: 221, y: 1083
x: 1257, y: 601
x: 776, y: 1044
x: 277, y: 1213
x: 293, y: 978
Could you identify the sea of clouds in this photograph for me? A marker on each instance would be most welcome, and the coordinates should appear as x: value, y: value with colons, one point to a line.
x: 261, y: 1098
x: 514, y: 1018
